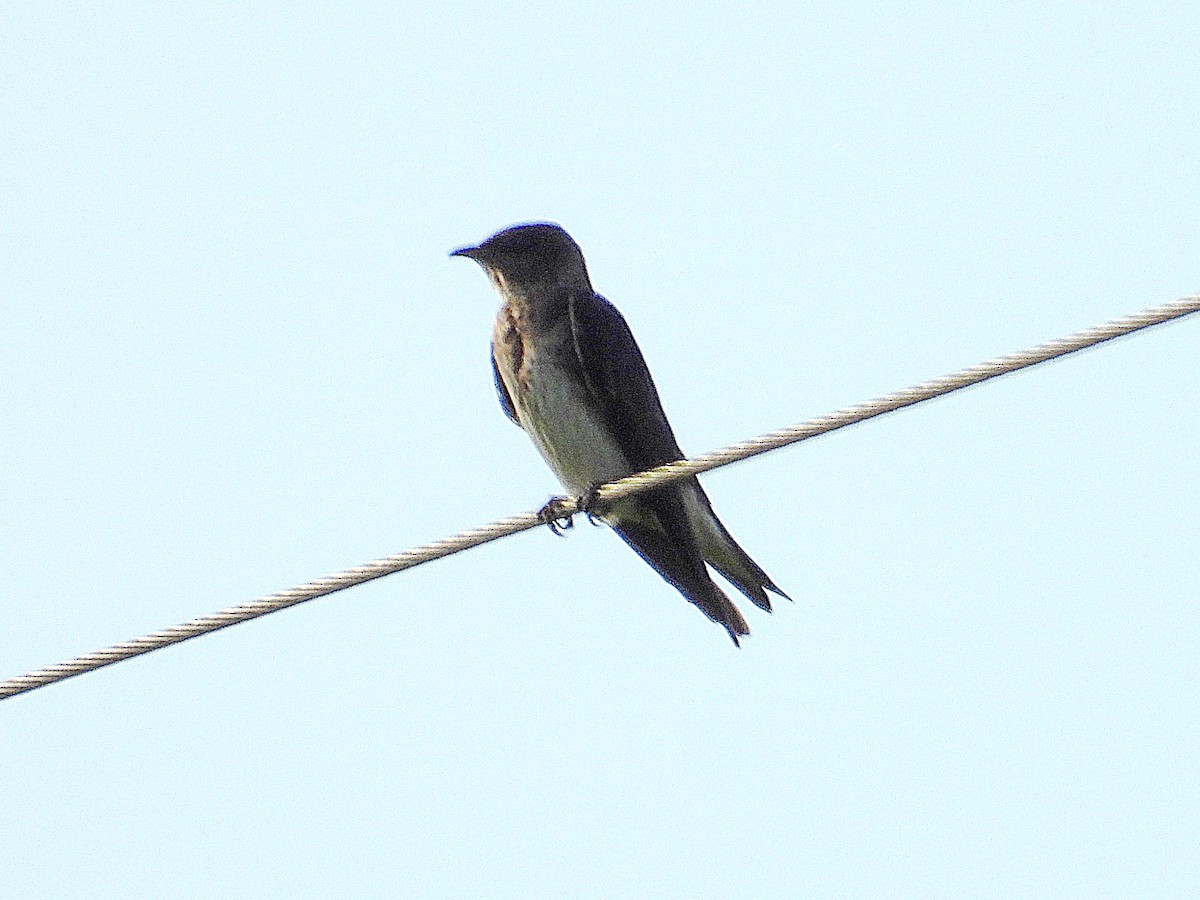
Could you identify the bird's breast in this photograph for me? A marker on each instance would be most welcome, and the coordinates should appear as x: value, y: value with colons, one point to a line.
x: 544, y: 378
x: 508, y: 348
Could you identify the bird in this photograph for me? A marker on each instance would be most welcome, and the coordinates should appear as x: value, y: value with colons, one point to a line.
x: 568, y: 371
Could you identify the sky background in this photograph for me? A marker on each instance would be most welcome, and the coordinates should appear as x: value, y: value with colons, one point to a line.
x: 234, y: 357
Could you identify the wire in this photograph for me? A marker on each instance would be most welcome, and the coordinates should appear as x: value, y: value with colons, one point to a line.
x: 926, y: 390
x: 615, y: 490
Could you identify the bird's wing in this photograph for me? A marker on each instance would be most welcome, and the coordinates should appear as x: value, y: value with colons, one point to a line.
x: 655, y: 523
x: 506, y: 403
x: 617, y: 376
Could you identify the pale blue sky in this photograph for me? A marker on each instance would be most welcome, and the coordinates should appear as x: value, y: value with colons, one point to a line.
x: 234, y: 357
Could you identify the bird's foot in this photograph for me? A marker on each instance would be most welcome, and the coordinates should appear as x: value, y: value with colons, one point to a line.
x: 556, y: 515
x: 589, y: 504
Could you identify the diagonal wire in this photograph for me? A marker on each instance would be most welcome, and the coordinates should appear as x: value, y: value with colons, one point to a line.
x: 616, y: 490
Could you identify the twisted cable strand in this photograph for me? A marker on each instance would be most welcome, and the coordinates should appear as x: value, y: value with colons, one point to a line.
x: 615, y: 490
x: 926, y: 390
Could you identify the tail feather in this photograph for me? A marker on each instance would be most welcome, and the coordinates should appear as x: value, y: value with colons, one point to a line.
x: 677, y: 533
x: 672, y: 552
x: 725, y: 555
x: 748, y: 577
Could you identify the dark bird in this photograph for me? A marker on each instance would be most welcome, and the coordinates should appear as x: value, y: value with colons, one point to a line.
x: 569, y: 372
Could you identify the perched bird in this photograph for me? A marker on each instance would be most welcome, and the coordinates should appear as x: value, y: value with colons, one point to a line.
x: 569, y: 372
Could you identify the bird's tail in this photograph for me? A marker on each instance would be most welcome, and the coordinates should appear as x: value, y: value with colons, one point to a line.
x: 673, y: 553
x: 725, y: 555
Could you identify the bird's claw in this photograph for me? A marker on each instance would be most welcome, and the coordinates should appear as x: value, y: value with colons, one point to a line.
x: 558, y: 513
x: 555, y: 515
x: 589, y: 504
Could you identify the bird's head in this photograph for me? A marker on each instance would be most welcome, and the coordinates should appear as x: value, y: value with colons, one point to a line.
x: 537, y: 255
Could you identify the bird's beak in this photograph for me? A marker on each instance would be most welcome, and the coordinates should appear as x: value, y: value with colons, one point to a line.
x: 469, y: 252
